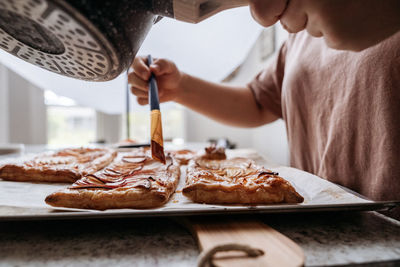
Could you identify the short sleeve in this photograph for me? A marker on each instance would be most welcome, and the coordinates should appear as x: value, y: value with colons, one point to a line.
x: 267, y: 85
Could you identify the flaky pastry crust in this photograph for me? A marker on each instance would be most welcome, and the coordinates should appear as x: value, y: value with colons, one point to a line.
x: 133, y: 180
x: 236, y: 181
x: 67, y: 165
x: 183, y: 156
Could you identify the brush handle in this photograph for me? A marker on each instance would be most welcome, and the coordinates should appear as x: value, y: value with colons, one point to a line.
x: 154, y: 101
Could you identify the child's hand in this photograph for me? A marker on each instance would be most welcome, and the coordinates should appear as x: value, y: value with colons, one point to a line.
x: 167, y: 75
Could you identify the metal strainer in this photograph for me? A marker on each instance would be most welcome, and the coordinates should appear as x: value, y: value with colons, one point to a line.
x: 48, y: 36
x: 92, y: 40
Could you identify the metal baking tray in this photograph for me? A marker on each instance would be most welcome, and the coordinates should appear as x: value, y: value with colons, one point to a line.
x: 24, y: 214
x: 320, y: 195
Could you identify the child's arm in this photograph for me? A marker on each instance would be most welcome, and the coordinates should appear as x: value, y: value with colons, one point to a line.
x: 228, y: 104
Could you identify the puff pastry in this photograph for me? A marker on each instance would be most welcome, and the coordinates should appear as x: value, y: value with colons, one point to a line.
x: 236, y: 181
x: 183, y: 156
x: 67, y: 165
x: 132, y: 180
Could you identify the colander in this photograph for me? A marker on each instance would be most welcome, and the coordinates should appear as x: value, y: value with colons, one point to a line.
x: 93, y: 40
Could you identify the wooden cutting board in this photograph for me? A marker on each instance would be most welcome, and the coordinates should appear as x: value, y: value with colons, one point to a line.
x: 278, y: 249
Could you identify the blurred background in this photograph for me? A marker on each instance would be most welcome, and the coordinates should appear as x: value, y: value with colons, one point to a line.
x: 39, y: 107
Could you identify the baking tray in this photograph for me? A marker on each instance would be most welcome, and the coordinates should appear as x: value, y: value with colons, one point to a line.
x: 32, y: 214
x: 320, y: 195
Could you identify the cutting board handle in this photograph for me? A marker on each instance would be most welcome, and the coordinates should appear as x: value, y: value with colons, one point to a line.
x: 206, y: 257
x: 224, y: 241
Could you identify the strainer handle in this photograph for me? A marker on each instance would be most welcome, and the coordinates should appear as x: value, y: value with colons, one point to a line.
x: 194, y: 11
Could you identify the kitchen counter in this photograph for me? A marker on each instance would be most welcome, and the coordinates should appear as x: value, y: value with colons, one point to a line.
x: 327, y: 239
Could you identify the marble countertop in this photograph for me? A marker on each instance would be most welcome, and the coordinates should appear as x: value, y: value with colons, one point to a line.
x: 326, y: 238
x: 336, y: 238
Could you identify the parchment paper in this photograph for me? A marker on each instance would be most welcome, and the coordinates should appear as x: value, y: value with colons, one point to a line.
x: 315, y: 191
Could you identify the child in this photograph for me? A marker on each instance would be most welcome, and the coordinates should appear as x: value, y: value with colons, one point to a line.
x: 341, y: 108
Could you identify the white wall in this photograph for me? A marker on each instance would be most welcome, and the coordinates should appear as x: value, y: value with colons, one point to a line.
x: 280, y: 35
x: 27, y: 112
x: 22, y: 110
x: 269, y: 140
x: 199, y: 128
x: 108, y: 127
x: 3, y: 104
x: 23, y: 115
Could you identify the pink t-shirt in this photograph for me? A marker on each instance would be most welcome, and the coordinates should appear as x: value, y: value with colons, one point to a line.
x: 342, y: 111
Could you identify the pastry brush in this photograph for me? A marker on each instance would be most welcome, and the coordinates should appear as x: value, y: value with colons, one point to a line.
x: 157, y: 144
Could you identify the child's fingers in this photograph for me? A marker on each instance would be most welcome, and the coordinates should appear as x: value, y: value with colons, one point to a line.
x: 138, y: 92
x: 162, y: 66
x: 140, y: 67
x: 137, y: 81
x: 142, y: 100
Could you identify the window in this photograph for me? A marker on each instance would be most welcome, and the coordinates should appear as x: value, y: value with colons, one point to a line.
x: 68, y: 123
x: 172, y: 118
